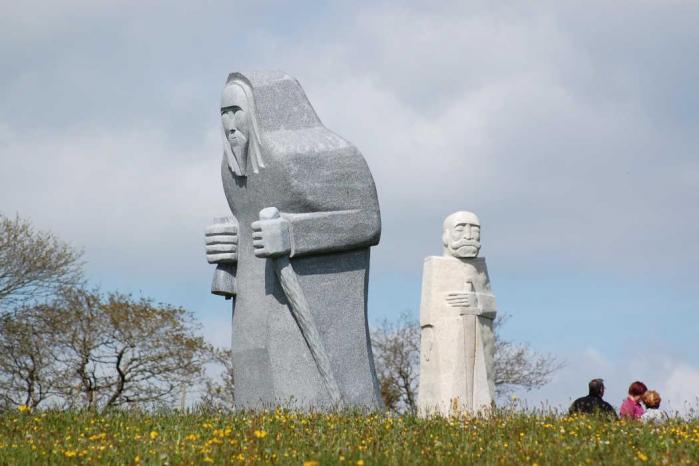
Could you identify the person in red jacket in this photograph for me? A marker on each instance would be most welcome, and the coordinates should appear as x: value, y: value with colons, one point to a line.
x: 631, y: 408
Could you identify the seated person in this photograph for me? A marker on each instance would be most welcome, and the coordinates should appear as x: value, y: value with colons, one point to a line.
x: 631, y: 407
x: 651, y: 399
x: 593, y: 402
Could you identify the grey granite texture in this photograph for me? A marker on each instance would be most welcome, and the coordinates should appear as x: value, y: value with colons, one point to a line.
x: 222, y: 248
x: 277, y: 154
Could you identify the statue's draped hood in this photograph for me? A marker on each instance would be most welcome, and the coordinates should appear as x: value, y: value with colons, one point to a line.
x: 322, y: 187
x: 283, y: 119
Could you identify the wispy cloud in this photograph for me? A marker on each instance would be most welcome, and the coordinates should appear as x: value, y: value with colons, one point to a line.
x: 570, y: 128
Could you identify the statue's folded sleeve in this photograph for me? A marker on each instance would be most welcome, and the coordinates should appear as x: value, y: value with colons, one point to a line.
x: 338, y: 208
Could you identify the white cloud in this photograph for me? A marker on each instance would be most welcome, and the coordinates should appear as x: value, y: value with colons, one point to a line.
x: 515, y: 112
x: 680, y: 390
x: 133, y: 199
x: 503, y: 110
x: 570, y: 130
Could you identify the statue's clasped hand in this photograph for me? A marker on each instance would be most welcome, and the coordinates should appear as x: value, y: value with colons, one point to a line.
x: 222, y: 243
x: 462, y: 299
x: 271, y: 234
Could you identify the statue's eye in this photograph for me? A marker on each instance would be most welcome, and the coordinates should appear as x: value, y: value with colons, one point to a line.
x: 233, y: 108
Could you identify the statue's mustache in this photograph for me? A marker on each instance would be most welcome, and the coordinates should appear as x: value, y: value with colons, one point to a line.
x: 465, y: 242
x: 237, y: 138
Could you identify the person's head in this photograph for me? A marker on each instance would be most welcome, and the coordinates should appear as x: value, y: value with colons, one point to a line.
x: 651, y: 399
x: 239, y: 127
x: 461, y: 235
x: 637, y: 389
x: 596, y: 387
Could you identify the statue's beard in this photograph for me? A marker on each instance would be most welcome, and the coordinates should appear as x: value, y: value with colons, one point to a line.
x: 239, y: 147
x: 465, y: 248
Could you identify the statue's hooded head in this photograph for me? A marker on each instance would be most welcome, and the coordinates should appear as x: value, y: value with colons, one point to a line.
x: 241, y: 138
x: 461, y: 235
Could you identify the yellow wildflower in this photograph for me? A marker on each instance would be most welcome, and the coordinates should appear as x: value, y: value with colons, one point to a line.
x: 311, y: 463
x: 153, y: 435
x: 260, y: 434
x: 642, y: 456
x: 70, y: 453
x: 24, y: 408
x: 360, y: 462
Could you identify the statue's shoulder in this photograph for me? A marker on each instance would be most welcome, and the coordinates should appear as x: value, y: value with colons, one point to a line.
x: 450, y: 264
x: 449, y: 260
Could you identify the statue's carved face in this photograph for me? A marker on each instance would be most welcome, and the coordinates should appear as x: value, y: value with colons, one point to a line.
x: 235, y: 116
x: 462, y: 235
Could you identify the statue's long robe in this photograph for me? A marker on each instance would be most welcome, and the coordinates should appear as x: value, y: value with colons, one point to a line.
x: 456, y: 343
x: 323, y: 187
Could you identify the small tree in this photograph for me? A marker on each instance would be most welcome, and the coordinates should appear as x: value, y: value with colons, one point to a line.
x: 80, y: 341
x: 517, y: 366
x: 27, y: 371
x: 218, y: 389
x: 98, y: 351
x: 33, y: 264
x: 396, y: 348
x: 397, y: 356
x: 128, y: 351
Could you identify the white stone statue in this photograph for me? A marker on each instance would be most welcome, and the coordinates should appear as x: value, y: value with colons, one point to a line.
x: 456, y: 318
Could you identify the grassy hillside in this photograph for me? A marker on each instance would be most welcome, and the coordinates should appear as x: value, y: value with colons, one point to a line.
x: 284, y: 437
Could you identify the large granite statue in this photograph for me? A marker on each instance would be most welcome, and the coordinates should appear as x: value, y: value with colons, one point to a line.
x: 456, y: 320
x: 295, y: 256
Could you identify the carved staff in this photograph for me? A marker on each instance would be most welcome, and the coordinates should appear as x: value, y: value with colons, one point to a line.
x: 302, y: 314
x: 471, y: 329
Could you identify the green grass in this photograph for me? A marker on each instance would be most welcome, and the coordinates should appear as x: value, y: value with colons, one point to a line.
x: 286, y: 437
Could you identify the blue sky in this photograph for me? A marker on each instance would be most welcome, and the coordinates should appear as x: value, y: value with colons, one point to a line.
x: 571, y: 128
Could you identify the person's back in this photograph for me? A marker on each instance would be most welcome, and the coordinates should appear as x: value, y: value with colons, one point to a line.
x: 593, y: 402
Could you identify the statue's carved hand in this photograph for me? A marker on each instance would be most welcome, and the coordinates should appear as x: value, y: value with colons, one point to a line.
x: 222, y: 243
x: 462, y: 299
x: 271, y: 238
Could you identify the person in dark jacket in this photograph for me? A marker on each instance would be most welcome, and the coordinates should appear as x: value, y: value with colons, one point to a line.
x: 593, y: 403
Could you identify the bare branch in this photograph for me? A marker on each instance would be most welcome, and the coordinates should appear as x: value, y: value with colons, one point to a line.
x: 396, y: 347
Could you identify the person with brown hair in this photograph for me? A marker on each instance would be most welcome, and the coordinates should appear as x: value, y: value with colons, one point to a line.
x: 631, y: 407
x: 651, y: 399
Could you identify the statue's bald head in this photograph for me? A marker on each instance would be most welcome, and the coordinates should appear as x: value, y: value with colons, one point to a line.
x: 461, y: 235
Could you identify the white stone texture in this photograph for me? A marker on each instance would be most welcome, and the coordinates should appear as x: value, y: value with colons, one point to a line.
x: 456, y: 318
